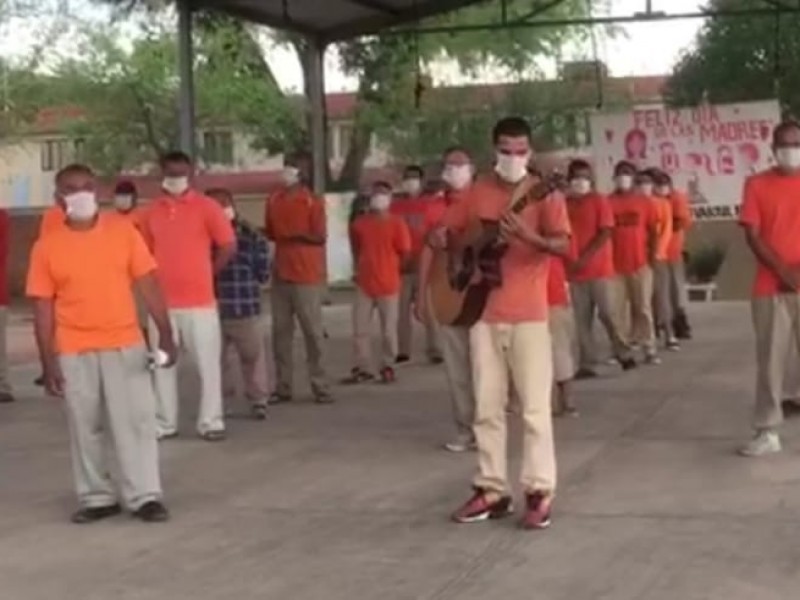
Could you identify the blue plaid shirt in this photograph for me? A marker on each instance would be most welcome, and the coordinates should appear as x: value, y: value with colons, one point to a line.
x: 238, y: 285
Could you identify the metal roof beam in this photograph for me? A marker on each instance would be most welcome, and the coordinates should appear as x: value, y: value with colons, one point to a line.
x: 258, y: 17
x: 377, y: 5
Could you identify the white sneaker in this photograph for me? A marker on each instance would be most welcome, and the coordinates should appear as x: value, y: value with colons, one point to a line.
x: 765, y: 442
x: 459, y: 446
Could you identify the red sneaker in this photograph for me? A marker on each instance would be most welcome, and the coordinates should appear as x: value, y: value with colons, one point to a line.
x: 387, y: 375
x: 478, y: 508
x: 537, y: 511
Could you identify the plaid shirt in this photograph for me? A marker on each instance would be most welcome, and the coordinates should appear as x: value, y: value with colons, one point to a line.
x: 238, y: 285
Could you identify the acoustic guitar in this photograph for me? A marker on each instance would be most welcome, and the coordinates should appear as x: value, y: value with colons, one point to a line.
x: 463, y: 274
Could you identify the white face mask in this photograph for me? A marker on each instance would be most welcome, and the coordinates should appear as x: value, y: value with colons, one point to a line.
x: 646, y: 189
x: 230, y: 212
x: 175, y: 186
x: 457, y: 176
x: 380, y: 202
x: 412, y: 187
x: 580, y: 186
x: 624, y: 182
x: 788, y: 158
x: 291, y: 175
x: 81, y: 206
x: 512, y: 168
x: 123, y: 202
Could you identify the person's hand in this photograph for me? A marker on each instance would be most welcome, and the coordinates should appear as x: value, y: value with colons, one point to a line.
x: 53, y: 378
x: 512, y: 225
x: 166, y: 343
x: 575, y: 266
x: 437, y: 238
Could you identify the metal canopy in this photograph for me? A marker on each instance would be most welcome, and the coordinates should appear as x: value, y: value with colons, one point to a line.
x: 333, y: 20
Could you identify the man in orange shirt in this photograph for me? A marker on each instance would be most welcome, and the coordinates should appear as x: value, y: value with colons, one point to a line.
x: 295, y: 222
x: 192, y: 240
x: 662, y: 302
x: 458, y: 174
x: 681, y: 222
x: 592, y: 272
x: 412, y: 205
x: 511, y: 341
x: 633, y: 242
x: 92, y: 351
x: 381, y: 243
x: 770, y: 216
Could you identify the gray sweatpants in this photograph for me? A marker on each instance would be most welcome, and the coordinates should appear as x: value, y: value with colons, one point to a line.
x: 588, y: 297
x: 455, y: 347
x: 662, y: 298
x: 111, y: 390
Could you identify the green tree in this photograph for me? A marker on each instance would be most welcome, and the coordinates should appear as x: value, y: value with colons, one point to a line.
x: 741, y: 59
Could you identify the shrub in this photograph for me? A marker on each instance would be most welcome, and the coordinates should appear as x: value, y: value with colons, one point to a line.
x: 704, y: 263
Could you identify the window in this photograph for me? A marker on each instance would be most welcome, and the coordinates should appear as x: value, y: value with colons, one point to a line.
x: 57, y: 154
x: 218, y: 147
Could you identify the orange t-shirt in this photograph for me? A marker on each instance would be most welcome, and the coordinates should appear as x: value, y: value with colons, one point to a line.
x: 681, y: 221
x: 380, y: 244
x: 663, y: 210
x: 182, y: 233
x: 557, y: 287
x: 588, y: 216
x: 414, y: 211
x: 634, y: 218
x: 53, y: 219
x: 523, y: 294
x: 89, y: 274
x: 291, y: 212
x: 771, y: 206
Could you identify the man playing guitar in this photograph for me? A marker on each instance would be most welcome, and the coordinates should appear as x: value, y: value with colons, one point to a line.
x: 510, y: 343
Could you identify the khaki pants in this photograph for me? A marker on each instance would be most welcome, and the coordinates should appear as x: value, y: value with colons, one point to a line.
x: 363, y: 308
x: 588, y: 297
x: 776, y: 320
x: 292, y: 301
x: 112, y: 386
x: 634, y: 309
x: 662, y: 299
x: 197, y: 331
x: 523, y: 352
x: 5, y: 385
x: 455, y: 347
x: 246, y: 337
x: 405, y: 324
x: 562, y: 333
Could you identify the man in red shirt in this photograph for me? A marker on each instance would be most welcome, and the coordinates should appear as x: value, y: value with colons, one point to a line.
x: 770, y: 217
x: 5, y: 233
x: 295, y: 222
x: 412, y: 205
x: 511, y: 341
x: 191, y: 240
x: 380, y: 243
x: 458, y: 174
x: 592, y: 272
x: 634, y: 239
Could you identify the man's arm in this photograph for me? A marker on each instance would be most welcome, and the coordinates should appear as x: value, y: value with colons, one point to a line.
x: 44, y: 325
x: 150, y: 291
x: 600, y: 238
x: 769, y: 258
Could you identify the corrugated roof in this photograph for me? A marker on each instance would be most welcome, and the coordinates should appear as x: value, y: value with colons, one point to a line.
x: 331, y: 20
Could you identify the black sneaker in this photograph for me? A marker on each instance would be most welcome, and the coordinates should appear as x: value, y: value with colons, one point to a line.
x: 39, y: 381
x: 214, y: 435
x: 279, y: 399
x: 7, y: 398
x: 152, y: 512
x: 478, y: 508
x: 627, y: 363
x: 585, y: 373
x: 402, y: 358
x: 90, y: 514
x: 436, y: 360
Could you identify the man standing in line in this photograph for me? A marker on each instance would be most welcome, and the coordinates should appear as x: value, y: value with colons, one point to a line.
x: 295, y: 222
x: 126, y: 201
x: 6, y: 396
x: 662, y: 304
x: 80, y: 279
x: 511, y: 343
x: 592, y: 273
x: 770, y: 217
x: 238, y: 290
x: 681, y: 222
x: 458, y: 174
x: 191, y: 240
x: 412, y: 205
x: 633, y: 242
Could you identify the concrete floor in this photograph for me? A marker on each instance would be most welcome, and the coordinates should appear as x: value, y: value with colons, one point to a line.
x: 351, y: 501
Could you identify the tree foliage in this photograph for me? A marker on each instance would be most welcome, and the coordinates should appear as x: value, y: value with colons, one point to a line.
x: 741, y: 59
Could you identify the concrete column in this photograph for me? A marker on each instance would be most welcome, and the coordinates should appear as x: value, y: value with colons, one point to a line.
x: 316, y: 101
x: 186, y: 75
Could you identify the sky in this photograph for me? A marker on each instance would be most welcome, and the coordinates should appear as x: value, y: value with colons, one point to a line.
x: 642, y: 49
